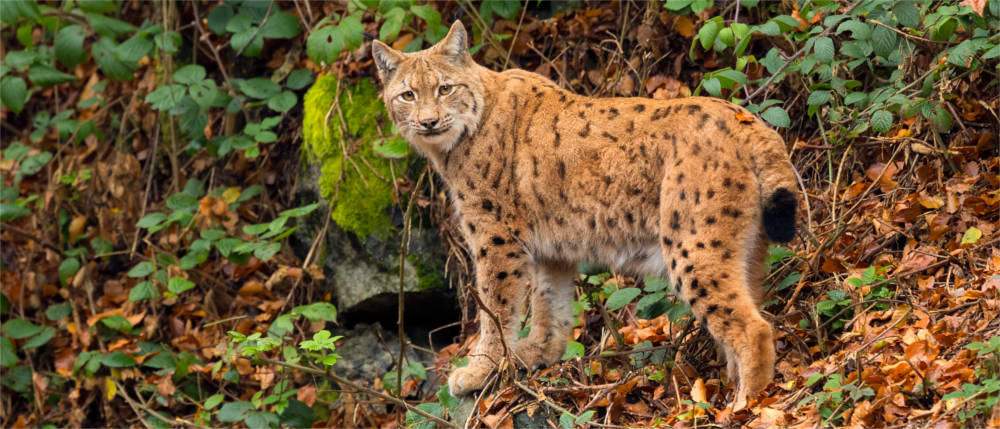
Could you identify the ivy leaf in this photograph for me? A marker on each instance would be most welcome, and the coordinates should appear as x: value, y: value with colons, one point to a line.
x: 776, y: 116
x: 69, y: 46
x: 621, y: 298
x: 881, y: 121
x: 14, y: 93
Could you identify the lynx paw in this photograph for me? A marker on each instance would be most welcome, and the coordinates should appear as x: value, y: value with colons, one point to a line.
x: 469, y: 378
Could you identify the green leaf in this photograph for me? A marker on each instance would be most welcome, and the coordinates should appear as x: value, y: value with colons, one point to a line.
x: 182, y: 201
x: 655, y: 284
x: 141, y: 269
x: 856, y: 97
x: 959, y: 55
x: 132, y: 50
x: 45, y: 76
x: 218, y: 18
x: 39, y: 340
x: 972, y: 235
x: 621, y: 298
x: 249, y: 42
x: 96, y: 6
x: 298, y: 79
x: 110, y: 65
x: 282, y: 102
x: 109, y: 27
x: 7, y: 356
x: 858, y: 29
x: 58, y: 311
x: 713, y: 86
x: 566, y: 419
x: 20, y: 328
x: 881, y: 121
x: 143, y: 290
x: 69, y: 46
x: 707, y: 34
x: 118, y: 359
x: 14, y: 93
x: 573, y: 349
x: 942, y: 119
x: 12, y: 10
x: 165, y: 97
x: 9, y: 212
x: 817, y: 98
x: 281, y: 25
x: 214, y: 401
x: 884, y: 41
x: 299, y: 211
x: 267, y: 251
x: 776, y: 116
x: 178, y: 285
x: 324, y: 45
x: 20, y: 60
x: 259, y: 88
x: 392, y: 24
x: 234, y: 411
x: 907, y: 13
x: 68, y: 269
x: 189, y: 74
x: 584, y: 417
x: 392, y: 148
x: 151, y: 220
x: 824, y: 50
x: 319, y: 311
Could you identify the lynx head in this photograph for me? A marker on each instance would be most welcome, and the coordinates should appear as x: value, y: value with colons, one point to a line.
x: 435, y: 96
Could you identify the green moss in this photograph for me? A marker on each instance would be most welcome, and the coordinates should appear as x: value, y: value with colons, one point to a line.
x: 363, y: 200
x: 428, y: 274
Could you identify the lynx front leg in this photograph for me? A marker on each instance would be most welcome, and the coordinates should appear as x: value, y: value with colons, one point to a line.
x: 551, y: 315
x: 501, y: 285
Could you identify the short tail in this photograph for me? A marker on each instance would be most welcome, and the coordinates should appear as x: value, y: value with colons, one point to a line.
x: 779, y: 215
x: 778, y: 184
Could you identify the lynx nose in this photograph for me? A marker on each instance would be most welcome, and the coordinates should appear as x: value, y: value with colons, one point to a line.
x: 429, y: 124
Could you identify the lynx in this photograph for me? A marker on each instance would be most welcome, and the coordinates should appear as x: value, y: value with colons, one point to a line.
x: 690, y: 189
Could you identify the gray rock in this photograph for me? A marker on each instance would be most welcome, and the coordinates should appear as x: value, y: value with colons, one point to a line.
x: 368, y: 352
x: 363, y: 274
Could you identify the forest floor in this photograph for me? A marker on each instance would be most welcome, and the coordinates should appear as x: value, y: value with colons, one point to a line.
x: 885, y: 307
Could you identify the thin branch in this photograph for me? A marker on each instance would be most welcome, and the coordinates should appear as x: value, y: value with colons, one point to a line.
x: 4, y: 226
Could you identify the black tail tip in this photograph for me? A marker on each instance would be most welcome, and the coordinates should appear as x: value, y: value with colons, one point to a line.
x: 779, y: 216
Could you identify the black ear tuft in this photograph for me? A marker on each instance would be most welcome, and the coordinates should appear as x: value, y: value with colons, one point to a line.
x: 779, y: 216
x: 386, y: 59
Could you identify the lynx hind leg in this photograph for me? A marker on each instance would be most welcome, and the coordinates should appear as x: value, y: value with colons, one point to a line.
x: 551, y: 315
x: 708, y: 261
x: 502, y: 289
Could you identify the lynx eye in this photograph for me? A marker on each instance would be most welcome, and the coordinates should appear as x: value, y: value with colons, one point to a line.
x: 408, y: 96
x: 445, y: 89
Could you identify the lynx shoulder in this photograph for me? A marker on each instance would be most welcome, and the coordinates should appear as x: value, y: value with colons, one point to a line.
x: 690, y: 189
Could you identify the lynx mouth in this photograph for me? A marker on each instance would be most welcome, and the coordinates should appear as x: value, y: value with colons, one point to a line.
x: 434, y: 132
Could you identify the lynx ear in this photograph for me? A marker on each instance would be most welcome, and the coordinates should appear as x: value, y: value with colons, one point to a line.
x: 455, y: 45
x: 386, y: 60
